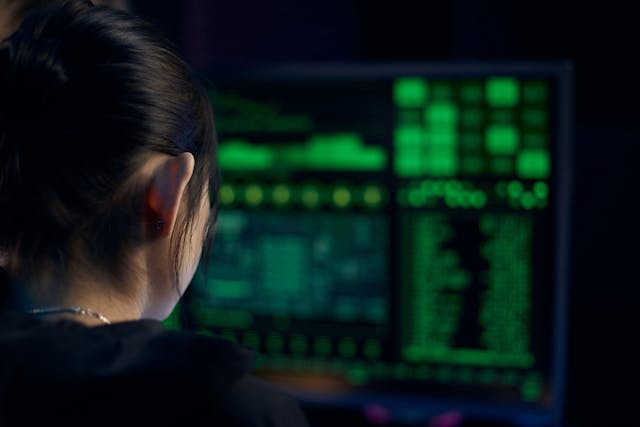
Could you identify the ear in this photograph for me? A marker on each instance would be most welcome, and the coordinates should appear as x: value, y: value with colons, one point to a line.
x: 164, y: 193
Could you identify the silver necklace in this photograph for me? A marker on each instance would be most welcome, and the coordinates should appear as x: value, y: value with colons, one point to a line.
x: 73, y: 310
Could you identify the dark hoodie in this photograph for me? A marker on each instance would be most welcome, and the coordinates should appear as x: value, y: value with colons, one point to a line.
x: 65, y: 373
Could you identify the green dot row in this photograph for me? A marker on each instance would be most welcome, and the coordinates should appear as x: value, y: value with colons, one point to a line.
x: 298, y: 344
x: 311, y: 196
x: 497, y: 91
x: 455, y: 194
x: 535, y: 197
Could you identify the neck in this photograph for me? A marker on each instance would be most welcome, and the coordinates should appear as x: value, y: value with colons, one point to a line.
x: 112, y: 300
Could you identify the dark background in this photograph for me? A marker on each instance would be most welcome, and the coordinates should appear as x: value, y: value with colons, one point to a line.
x: 599, y: 38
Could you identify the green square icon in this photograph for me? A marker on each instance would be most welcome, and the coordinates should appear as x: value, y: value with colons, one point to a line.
x: 502, y: 91
x: 410, y: 92
x: 501, y: 139
x: 533, y: 164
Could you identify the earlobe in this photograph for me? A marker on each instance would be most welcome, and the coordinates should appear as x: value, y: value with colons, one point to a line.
x: 165, y: 192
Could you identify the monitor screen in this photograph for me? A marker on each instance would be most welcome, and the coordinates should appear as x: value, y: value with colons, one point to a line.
x: 394, y: 235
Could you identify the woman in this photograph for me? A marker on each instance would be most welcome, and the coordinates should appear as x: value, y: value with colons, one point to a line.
x: 108, y: 180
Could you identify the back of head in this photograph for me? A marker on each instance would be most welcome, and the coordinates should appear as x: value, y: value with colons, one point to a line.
x: 87, y: 92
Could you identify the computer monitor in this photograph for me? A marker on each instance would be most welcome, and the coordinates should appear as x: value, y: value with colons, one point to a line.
x: 395, y: 237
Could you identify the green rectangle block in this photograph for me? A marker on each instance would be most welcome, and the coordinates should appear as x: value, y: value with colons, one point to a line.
x: 477, y: 357
x: 409, y: 92
x: 503, y: 91
x: 408, y: 135
x: 441, y: 114
x: 408, y: 165
x: 533, y: 164
x: 501, y: 139
x: 241, y: 155
x: 442, y: 165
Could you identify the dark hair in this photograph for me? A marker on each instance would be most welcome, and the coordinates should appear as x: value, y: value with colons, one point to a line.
x: 86, y: 92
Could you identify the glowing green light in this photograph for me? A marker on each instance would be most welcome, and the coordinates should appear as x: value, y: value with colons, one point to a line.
x: 341, y: 197
x: 332, y: 151
x: 358, y: 375
x: 464, y: 199
x: 453, y: 187
x: 408, y: 136
x: 541, y: 189
x: 227, y: 194
x: 451, y: 201
x: 515, y: 189
x: 335, y: 151
x: 533, y: 163
x: 478, y: 199
x: 502, y: 139
x: 281, y: 194
x: 502, y: 92
x: 410, y: 92
x: 441, y: 115
x: 310, y: 197
x: 442, y: 142
x: 173, y: 321
x: 372, y: 196
x: 241, y: 155
x: 442, y: 164
x: 416, y: 198
x: 253, y: 195
x: 408, y: 164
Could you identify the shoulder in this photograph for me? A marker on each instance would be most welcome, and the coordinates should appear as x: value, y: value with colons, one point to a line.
x: 137, y: 370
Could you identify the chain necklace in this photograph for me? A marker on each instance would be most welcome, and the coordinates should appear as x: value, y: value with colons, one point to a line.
x: 73, y: 310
